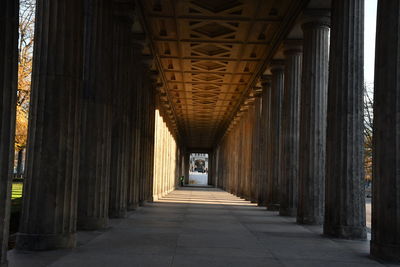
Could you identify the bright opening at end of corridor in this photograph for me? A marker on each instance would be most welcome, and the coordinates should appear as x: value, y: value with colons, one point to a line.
x: 198, y: 169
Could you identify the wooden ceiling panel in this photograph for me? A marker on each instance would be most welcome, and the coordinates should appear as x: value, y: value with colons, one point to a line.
x: 167, y: 48
x: 210, y: 52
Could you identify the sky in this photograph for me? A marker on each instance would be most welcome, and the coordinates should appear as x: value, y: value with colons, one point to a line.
x: 369, y: 40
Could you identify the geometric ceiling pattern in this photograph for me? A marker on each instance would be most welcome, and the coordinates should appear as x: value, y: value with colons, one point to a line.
x: 210, y: 53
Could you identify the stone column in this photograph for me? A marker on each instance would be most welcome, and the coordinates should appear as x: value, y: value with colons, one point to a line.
x: 143, y: 142
x: 345, y: 196
x: 209, y: 174
x: 120, y: 120
x: 49, y: 211
x: 134, y: 181
x: 144, y: 130
x: 256, y: 150
x: 150, y: 116
x: 186, y: 158
x: 264, y: 131
x: 313, y: 110
x: 8, y: 81
x: 260, y: 149
x: 273, y: 188
x: 385, y: 239
x: 94, y: 169
x: 290, y: 130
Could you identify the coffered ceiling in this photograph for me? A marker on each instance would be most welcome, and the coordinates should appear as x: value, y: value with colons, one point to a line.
x: 210, y: 54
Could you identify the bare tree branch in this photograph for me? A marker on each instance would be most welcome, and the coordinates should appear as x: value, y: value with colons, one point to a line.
x: 368, y: 126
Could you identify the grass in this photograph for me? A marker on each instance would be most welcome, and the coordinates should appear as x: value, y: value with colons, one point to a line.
x: 16, y: 206
x: 16, y: 190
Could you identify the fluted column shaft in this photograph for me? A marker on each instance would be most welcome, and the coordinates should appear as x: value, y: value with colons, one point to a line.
x: 313, y: 108
x: 120, y: 120
x: 143, y: 138
x: 385, y: 239
x: 260, y: 188
x: 48, y: 218
x: 136, y: 100
x: 152, y: 110
x: 147, y: 137
x: 257, y: 151
x: 290, y: 133
x: 94, y: 169
x: 265, y: 133
x: 143, y: 142
x: 8, y: 81
x: 273, y: 188
x: 186, y: 162
x: 345, y: 197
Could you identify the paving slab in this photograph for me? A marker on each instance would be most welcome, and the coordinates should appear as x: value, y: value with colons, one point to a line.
x: 203, y: 227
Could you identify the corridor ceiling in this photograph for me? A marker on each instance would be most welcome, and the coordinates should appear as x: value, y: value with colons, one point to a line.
x: 210, y: 54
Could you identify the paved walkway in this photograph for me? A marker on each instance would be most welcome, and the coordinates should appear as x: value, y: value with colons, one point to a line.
x: 203, y: 227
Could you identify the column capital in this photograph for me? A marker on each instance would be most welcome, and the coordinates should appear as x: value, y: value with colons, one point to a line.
x: 277, y: 66
x: 292, y: 47
x: 138, y: 40
x: 316, y: 18
x: 257, y: 90
x: 159, y: 86
x: 266, y: 80
x: 124, y: 10
x: 147, y: 61
x: 154, y: 74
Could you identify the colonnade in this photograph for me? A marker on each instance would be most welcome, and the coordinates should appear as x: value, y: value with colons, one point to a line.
x: 100, y: 144
x: 310, y: 129
x: 234, y: 170
x: 92, y: 122
x: 168, y: 158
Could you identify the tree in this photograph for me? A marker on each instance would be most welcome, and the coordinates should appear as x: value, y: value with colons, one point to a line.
x: 368, y: 123
x: 25, y: 54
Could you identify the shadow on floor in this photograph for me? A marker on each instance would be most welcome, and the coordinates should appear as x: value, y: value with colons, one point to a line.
x: 203, y: 227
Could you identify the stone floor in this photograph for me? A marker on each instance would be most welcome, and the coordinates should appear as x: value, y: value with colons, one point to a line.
x: 198, y: 178
x: 203, y: 227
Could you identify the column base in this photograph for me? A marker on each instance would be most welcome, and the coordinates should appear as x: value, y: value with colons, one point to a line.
x: 142, y: 203
x: 261, y: 203
x: 4, y: 264
x: 273, y: 207
x: 292, y: 212
x: 90, y: 224
x: 346, y: 232
x: 117, y: 214
x: 133, y: 206
x: 385, y: 252
x: 319, y: 220
x: 37, y: 242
